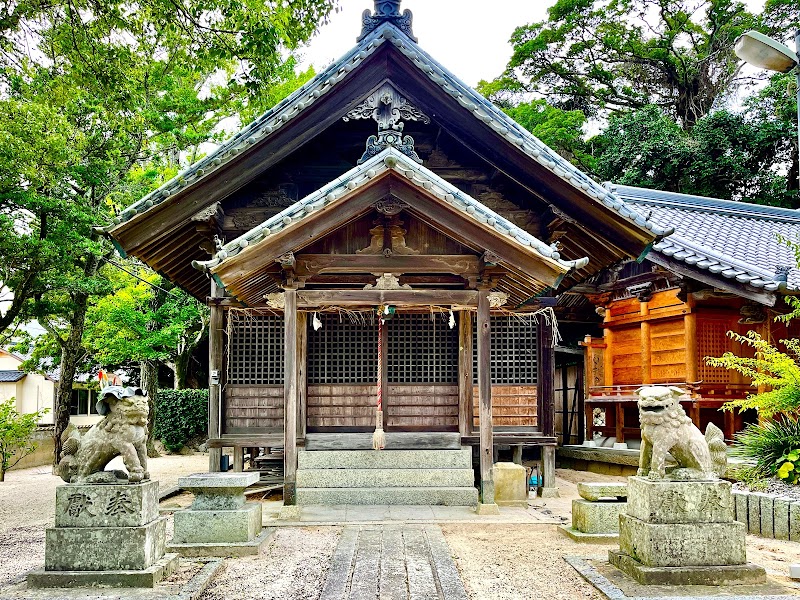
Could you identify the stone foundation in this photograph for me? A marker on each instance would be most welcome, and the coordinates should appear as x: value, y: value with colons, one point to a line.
x: 105, y: 535
x: 594, y: 517
x: 683, y: 533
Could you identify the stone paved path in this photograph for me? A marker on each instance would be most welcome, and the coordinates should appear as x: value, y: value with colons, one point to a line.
x: 393, y: 562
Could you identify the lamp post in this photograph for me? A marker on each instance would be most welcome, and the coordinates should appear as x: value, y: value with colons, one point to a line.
x: 762, y: 51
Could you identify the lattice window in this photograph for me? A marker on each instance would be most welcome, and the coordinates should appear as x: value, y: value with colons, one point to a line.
x: 712, y: 340
x: 342, y: 352
x: 513, y: 354
x: 255, y: 355
x: 422, y: 349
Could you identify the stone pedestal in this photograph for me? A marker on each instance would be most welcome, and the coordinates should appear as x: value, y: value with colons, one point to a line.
x: 109, y: 535
x: 219, y: 522
x: 595, y: 516
x: 510, y: 488
x: 683, y: 533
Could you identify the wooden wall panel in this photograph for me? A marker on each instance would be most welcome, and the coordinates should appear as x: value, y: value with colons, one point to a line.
x: 350, y: 406
x: 667, y: 351
x: 253, y: 409
x: 626, y: 355
x: 421, y: 407
x: 512, y: 406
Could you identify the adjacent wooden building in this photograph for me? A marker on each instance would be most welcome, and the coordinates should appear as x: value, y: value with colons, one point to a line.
x: 383, y: 188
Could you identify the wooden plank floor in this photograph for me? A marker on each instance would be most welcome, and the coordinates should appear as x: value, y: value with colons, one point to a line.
x: 393, y: 562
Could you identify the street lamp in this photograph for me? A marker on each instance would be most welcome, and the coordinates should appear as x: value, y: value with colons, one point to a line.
x: 762, y: 51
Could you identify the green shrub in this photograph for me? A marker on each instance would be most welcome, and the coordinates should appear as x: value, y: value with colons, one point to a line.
x: 770, y: 445
x: 180, y: 416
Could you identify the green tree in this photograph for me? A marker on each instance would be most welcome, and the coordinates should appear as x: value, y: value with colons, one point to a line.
x: 620, y: 55
x: 133, y: 85
x: 15, y: 435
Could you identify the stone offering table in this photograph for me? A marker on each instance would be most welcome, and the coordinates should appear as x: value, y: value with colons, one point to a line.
x: 595, y: 516
x: 510, y: 487
x: 683, y: 533
x: 219, y: 522
x: 105, y: 535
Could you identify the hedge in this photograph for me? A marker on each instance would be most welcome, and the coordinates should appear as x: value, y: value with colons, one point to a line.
x: 180, y: 416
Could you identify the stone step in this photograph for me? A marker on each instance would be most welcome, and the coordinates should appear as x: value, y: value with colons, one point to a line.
x: 375, y: 478
x: 386, y: 459
x: 395, y: 440
x: 441, y: 496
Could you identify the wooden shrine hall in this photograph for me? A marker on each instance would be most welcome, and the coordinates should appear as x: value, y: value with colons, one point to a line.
x: 382, y: 238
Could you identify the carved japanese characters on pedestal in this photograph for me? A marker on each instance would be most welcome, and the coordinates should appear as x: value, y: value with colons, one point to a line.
x: 123, y: 432
x: 667, y: 430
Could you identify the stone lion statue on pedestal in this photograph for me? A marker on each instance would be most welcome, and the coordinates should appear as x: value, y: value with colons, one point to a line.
x: 666, y: 429
x: 123, y: 432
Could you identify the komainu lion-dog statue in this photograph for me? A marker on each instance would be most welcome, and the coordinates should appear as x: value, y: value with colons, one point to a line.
x: 122, y: 432
x: 667, y: 430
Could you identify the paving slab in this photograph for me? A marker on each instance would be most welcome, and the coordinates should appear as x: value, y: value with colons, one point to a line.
x: 393, y: 562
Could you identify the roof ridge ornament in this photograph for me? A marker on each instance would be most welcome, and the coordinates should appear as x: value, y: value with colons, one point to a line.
x: 386, y: 11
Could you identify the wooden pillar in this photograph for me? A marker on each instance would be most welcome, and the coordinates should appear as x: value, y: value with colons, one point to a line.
x: 517, y: 455
x: 215, y: 367
x: 690, y: 326
x: 290, y: 399
x: 485, y: 397
x: 644, y: 311
x: 619, y: 422
x: 580, y: 390
x: 565, y: 424
x: 302, y: 374
x: 465, y: 386
x: 545, y: 386
x: 238, y: 459
x: 546, y: 404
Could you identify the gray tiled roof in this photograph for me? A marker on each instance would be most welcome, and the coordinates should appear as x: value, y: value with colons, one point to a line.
x: 414, y: 173
x: 10, y: 376
x: 735, y: 240
x: 322, y: 84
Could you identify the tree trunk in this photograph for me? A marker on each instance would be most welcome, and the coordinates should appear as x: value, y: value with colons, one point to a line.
x: 181, y: 369
x: 148, y: 371
x: 2, y: 475
x: 70, y: 351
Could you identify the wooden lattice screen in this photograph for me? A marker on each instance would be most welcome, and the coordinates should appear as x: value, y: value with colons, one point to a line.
x: 342, y: 352
x: 254, y: 387
x: 712, y: 340
x: 514, y: 354
x: 422, y: 349
x: 255, y: 351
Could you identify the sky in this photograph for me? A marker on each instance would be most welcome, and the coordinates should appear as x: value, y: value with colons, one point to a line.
x: 469, y: 37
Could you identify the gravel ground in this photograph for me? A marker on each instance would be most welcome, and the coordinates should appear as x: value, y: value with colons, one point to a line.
x: 293, y: 567
x: 774, y: 486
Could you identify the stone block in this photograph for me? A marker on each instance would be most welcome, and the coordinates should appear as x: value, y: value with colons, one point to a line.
x: 683, y: 544
x: 780, y: 517
x: 596, y: 517
x: 659, y: 501
x: 754, y: 512
x: 599, y: 491
x: 588, y: 538
x: 146, y: 578
x: 766, y: 509
x: 740, y: 506
x: 510, y: 487
x: 105, y: 548
x: 487, y: 509
x: 747, y: 574
x: 96, y: 505
x: 794, y: 572
x: 218, y: 491
x: 217, y: 526
x: 794, y: 521
x: 226, y: 550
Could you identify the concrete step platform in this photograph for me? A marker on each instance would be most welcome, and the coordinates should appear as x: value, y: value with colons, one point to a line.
x: 386, y: 459
x: 441, y: 496
x: 377, y: 478
x: 395, y: 440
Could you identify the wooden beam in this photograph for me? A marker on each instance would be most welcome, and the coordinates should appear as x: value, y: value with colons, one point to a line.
x: 309, y: 265
x: 465, y: 385
x: 302, y: 374
x: 690, y: 341
x: 317, y: 298
x: 216, y: 368
x: 290, y: 389
x: 485, y: 397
